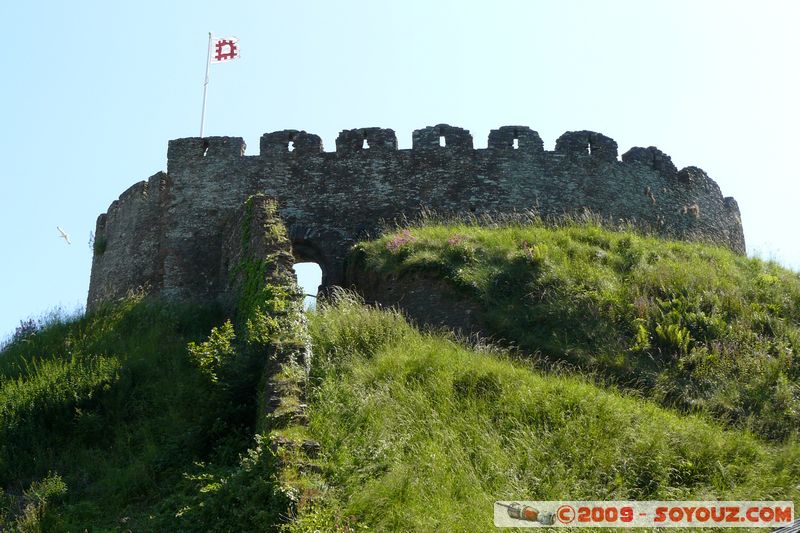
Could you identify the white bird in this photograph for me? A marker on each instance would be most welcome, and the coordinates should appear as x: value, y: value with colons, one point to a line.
x: 64, y: 235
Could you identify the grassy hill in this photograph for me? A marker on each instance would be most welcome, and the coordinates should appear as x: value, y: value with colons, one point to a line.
x: 694, y: 327
x: 645, y: 369
x: 420, y: 433
x: 109, y: 420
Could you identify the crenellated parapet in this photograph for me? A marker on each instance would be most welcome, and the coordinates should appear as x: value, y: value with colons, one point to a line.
x: 375, y: 140
x: 199, y: 147
x: 516, y: 138
x: 292, y: 142
x: 441, y: 136
x: 653, y: 158
x: 587, y: 143
x: 166, y: 233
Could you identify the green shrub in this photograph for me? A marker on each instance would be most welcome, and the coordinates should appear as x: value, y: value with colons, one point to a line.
x: 673, y: 337
x: 36, y: 501
x: 212, y: 497
x: 99, y: 245
x: 216, y: 352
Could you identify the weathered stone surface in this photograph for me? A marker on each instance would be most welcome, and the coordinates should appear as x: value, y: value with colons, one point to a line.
x: 134, y: 225
x: 254, y: 231
x: 526, y: 139
x: 288, y: 142
x: 653, y: 158
x: 441, y: 136
x: 168, y: 233
x: 426, y: 300
x: 351, y: 141
x: 583, y: 143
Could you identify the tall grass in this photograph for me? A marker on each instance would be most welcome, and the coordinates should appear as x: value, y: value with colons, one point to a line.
x: 693, y: 326
x: 115, y: 406
x: 41, y: 408
x: 420, y: 433
x: 142, y: 416
x: 136, y: 418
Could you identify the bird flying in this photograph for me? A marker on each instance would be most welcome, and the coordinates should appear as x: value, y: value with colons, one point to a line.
x: 64, y: 235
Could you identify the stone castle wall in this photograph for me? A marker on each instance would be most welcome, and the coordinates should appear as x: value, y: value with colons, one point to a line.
x: 167, y: 233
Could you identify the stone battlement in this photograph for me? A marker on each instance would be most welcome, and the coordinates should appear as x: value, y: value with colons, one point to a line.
x: 166, y: 233
x: 376, y: 141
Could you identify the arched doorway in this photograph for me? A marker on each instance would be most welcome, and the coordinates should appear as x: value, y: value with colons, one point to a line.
x: 309, y: 266
x: 309, y: 278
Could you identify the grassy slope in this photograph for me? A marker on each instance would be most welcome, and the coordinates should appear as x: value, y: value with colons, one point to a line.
x: 154, y: 416
x: 693, y: 326
x: 151, y: 416
x: 417, y: 432
x: 422, y: 434
x: 111, y: 419
x: 118, y: 436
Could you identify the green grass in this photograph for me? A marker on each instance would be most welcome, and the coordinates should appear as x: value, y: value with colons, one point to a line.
x: 50, y: 400
x: 155, y: 416
x: 690, y: 325
x: 420, y: 433
x: 649, y: 369
x: 115, y: 408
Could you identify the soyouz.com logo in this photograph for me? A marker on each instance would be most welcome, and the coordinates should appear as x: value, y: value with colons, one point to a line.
x: 642, y: 514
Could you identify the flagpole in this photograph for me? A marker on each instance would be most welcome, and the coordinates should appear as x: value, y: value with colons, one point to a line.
x: 205, y: 87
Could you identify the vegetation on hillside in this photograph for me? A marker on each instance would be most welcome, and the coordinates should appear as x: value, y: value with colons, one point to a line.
x: 153, y: 416
x: 134, y: 418
x: 112, y: 405
x: 693, y: 326
x: 420, y: 433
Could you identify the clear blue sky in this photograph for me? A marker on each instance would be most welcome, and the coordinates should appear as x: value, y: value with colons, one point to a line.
x: 92, y: 92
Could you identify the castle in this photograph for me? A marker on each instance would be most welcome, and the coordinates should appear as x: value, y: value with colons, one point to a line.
x: 169, y: 233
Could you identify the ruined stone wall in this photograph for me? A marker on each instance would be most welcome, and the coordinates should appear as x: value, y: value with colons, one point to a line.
x: 254, y: 236
x: 168, y: 232
x: 128, y: 242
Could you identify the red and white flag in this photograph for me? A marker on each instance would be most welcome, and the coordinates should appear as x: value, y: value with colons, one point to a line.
x: 220, y: 50
x: 224, y: 49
